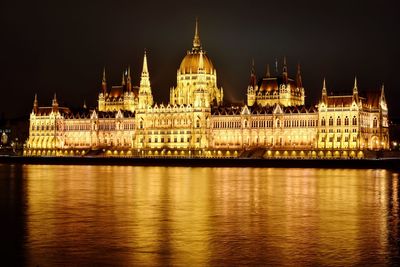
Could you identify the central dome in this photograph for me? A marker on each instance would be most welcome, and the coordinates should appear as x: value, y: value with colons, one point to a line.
x: 190, y: 63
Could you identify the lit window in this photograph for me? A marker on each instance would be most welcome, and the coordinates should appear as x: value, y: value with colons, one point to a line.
x: 375, y: 123
x: 354, y: 120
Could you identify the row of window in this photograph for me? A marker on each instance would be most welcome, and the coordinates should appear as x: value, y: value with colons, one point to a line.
x: 265, y: 123
x: 169, y: 132
x: 338, y: 139
x: 169, y: 140
x: 227, y: 124
x: 339, y: 121
x: 339, y: 130
x: 168, y: 123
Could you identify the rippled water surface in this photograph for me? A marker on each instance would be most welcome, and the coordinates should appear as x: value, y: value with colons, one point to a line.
x: 160, y: 216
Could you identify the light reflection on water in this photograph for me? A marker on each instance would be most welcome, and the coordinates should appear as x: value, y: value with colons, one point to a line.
x: 209, y: 216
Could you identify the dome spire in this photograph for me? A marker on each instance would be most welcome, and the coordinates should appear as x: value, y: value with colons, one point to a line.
x: 268, y: 73
x: 196, y: 39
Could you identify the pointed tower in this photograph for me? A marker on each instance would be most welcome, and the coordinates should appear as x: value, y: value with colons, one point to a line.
x: 123, y: 78
x: 267, y: 73
x: 252, y: 87
x: 284, y: 71
x: 145, y: 94
x: 383, y: 98
x: 253, y: 76
x: 35, y: 105
x: 104, y: 82
x: 55, y: 103
x: 196, y: 39
x: 355, y: 90
x: 128, y: 80
x: 299, y: 81
x: 324, y: 96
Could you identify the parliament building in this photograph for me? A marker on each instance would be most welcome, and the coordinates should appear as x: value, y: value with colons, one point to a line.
x: 273, y: 123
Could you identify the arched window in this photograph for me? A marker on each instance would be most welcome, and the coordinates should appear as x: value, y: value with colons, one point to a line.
x: 375, y: 123
x: 278, y: 123
x: 197, y: 123
x: 323, y: 121
x: 338, y: 121
x: 330, y: 121
x: 346, y: 121
x: 354, y: 120
x: 141, y: 125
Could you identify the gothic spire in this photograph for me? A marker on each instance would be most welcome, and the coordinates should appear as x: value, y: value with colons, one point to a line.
x: 298, y: 77
x: 355, y: 84
x: 128, y: 79
x: 123, y: 78
x: 145, y: 95
x: 104, y: 82
x: 145, y: 69
x: 383, y: 93
x: 267, y: 73
x: 355, y: 90
x: 196, y: 39
x: 284, y: 72
x: 324, y: 93
x: 35, y: 104
x: 55, y: 103
x: 253, y: 77
x: 145, y: 77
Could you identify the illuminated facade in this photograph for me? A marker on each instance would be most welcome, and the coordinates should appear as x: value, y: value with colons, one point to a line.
x: 274, y: 122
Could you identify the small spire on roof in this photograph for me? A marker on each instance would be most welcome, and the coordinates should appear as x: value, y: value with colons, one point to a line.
x: 324, y: 87
x: 35, y: 104
x: 284, y: 73
x: 267, y: 74
x: 355, y: 89
x: 104, y: 82
x: 55, y: 103
x: 298, y: 77
x: 355, y: 82
x: 123, y: 78
x: 128, y: 79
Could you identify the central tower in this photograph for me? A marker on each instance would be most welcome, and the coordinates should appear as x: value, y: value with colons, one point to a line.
x: 195, y: 73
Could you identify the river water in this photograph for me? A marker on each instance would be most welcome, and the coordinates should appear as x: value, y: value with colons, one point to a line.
x: 182, y: 216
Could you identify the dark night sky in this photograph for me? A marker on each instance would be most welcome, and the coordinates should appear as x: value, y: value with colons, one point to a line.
x: 50, y: 46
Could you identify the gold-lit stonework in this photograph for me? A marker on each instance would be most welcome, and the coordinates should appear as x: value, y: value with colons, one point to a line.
x: 275, y: 122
